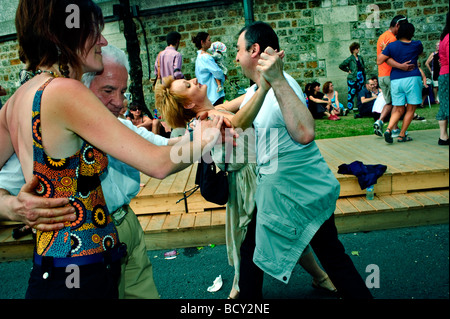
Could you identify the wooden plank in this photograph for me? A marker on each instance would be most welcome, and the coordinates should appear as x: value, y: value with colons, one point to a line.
x: 218, y: 217
x: 408, y: 201
x: 191, y: 180
x: 183, y: 238
x: 437, y: 197
x: 421, y: 198
x: 21, y: 251
x: 331, y: 158
x: 187, y: 220
x: 5, y: 233
x: 144, y: 178
x: 181, y: 179
x: 168, y: 204
x: 394, y: 219
x: 349, y: 150
x: 156, y: 222
x: 150, y: 188
x: 379, y: 205
x: 144, y: 220
x: 165, y: 185
x: 426, y: 153
x: 203, y: 219
x: 171, y: 222
x: 393, y: 202
x: 345, y: 206
x: 443, y: 192
x: 402, y: 183
x: 361, y: 204
x: 337, y: 211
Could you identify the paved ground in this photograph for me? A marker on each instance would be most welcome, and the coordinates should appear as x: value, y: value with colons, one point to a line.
x: 413, y: 263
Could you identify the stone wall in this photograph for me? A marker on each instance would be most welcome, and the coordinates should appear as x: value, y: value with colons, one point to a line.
x: 316, y: 35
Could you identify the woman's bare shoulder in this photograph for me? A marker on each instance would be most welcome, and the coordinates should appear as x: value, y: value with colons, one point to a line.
x: 69, y: 85
x: 69, y: 91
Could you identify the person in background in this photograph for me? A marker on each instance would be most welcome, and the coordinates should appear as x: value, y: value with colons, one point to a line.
x: 218, y: 50
x: 443, y: 112
x: 406, y: 87
x: 425, y: 85
x: 332, y: 95
x: 169, y: 61
x: 206, y: 69
x: 138, y: 117
x: 433, y: 65
x: 384, y: 72
x: 317, y: 105
x: 366, y: 99
x: 355, y: 67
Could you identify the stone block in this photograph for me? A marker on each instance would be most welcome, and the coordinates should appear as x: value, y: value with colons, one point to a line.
x: 336, y: 32
x: 333, y: 70
x: 118, y: 40
x: 334, y: 50
x: 111, y: 28
x: 334, y: 15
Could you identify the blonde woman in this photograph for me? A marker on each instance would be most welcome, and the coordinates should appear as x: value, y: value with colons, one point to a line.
x: 179, y: 101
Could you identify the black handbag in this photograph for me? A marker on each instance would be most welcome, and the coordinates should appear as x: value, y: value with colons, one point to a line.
x: 213, y: 184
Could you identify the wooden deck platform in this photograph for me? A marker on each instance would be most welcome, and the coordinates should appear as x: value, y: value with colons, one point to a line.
x: 413, y: 191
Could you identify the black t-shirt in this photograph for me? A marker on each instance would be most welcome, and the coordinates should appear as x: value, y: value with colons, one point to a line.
x: 316, y: 109
x: 365, y: 108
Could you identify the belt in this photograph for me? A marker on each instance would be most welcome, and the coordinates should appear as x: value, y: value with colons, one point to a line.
x: 119, y: 215
x: 109, y: 256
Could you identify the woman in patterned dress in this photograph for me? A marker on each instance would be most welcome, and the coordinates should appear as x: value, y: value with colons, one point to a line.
x: 64, y: 148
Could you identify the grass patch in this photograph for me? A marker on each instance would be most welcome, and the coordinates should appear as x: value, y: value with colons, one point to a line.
x: 349, y: 126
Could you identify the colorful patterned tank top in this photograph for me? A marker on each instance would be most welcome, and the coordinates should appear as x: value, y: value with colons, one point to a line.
x: 77, y: 178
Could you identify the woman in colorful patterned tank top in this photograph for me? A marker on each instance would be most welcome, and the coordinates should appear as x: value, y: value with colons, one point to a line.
x: 59, y: 40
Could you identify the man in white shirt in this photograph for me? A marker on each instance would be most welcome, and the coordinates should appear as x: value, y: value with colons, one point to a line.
x: 296, y: 191
x: 120, y: 184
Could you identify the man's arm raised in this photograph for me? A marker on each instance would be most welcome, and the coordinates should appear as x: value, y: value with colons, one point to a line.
x: 298, y: 119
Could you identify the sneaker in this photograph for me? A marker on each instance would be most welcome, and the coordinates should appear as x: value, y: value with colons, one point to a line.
x: 444, y: 142
x: 378, y: 127
x: 396, y: 133
x: 345, y: 112
x: 419, y: 118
